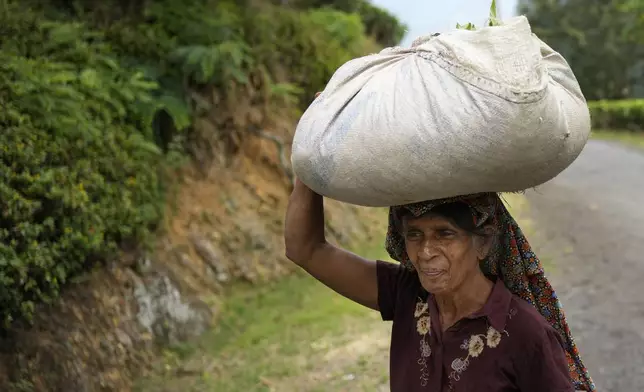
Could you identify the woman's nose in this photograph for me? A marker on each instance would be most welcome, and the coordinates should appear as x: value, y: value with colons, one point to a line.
x: 427, y: 250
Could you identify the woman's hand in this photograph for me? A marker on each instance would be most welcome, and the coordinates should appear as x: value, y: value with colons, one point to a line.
x: 304, y: 230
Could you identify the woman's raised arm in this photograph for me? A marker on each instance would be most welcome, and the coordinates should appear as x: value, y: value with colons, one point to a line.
x: 346, y: 273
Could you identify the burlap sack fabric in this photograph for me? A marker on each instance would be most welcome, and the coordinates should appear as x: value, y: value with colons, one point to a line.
x: 491, y: 110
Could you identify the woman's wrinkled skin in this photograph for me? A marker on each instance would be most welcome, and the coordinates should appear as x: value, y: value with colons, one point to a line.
x: 447, y: 260
x: 443, y: 254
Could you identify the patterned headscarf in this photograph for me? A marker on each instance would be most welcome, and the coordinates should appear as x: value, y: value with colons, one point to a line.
x: 512, y: 260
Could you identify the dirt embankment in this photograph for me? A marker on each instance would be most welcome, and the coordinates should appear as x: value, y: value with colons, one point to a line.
x: 224, y: 225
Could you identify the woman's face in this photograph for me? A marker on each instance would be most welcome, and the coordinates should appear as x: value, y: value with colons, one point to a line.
x: 443, y: 254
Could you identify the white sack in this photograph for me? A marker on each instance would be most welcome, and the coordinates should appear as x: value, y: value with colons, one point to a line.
x: 489, y: 110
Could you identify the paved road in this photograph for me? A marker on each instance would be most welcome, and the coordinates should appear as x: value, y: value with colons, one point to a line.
x: 591, y: 223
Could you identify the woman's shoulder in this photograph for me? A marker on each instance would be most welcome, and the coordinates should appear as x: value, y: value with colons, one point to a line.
x: 537, y: 350
x: 398, y: 289
x: 396, y: 274
x: 528, y: 325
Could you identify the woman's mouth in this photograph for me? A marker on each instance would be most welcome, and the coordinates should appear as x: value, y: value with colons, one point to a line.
x: 432, y: 273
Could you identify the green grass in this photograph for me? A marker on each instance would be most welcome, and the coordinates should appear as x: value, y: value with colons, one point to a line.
x: 625, y: 137
x: 281, y: 336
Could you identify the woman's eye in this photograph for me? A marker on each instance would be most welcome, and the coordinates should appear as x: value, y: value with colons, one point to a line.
x: 413, y: 235
x: 446, y: 233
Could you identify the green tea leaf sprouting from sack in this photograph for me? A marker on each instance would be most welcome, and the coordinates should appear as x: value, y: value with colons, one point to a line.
x: 493, y: 20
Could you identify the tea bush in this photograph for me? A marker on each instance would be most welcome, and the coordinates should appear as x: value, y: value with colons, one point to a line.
x: 77, y: 168
x: 618, y: 115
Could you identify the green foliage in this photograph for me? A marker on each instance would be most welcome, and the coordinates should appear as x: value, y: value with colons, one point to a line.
x: 310, y: 45
x: 347, y: 6
x: 603, y: 40
x: 380, y: 24
x: 344, y: 29
x: 78, y: 171
x: 492, y: 20
x: 99, y: 99
x: 383, y: 26
x: 224, y: 45
x: 213, y: 64
x: 620, y: 115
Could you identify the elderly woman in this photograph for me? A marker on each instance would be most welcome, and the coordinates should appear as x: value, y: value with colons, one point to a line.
x: 471, y: 308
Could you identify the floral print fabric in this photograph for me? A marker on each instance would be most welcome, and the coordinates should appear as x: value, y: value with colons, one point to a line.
x: 512, y: 260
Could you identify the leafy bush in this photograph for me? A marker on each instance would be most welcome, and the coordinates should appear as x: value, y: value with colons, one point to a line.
x: 99, y: 98
x: 78, y: 172
x: 269, y: 49
x: 618, y: 115
x: 310, y: 45
x: 380, y: 24
x: 347, y: 6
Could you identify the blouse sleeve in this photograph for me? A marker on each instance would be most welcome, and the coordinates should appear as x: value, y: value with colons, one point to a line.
x: 390, y: 278
x: 544, y: 366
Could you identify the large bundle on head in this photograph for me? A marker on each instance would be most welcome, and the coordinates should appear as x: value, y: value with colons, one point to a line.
x: 489, y: 110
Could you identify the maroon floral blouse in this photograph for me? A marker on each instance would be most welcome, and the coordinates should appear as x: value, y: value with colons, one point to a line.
x: 506, y: 346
